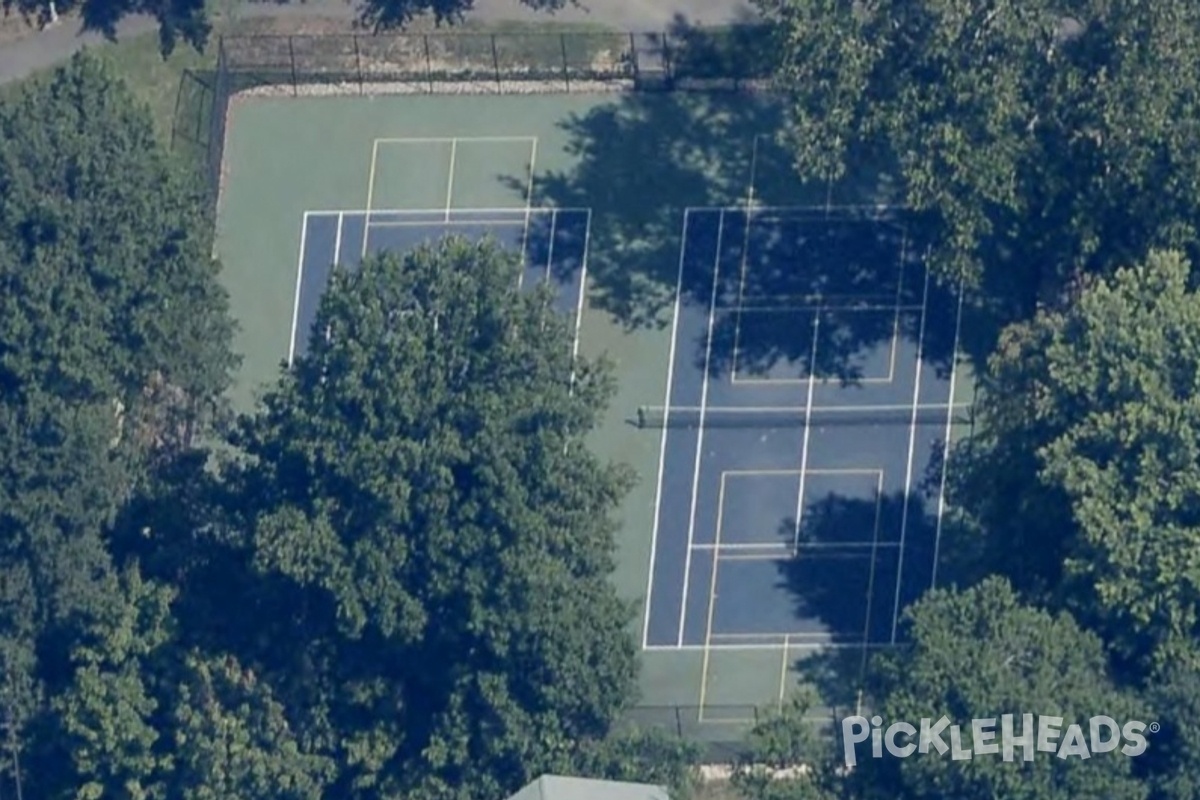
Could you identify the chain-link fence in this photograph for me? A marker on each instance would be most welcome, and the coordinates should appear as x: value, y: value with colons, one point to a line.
x: 498, y: 63
x: 719, y: 731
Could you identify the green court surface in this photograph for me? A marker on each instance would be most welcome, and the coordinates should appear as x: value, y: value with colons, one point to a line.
x: 637, y: 163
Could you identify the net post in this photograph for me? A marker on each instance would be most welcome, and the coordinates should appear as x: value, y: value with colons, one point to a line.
x: 292, y: 58
x: 562, y: 41
x: 362, y: 89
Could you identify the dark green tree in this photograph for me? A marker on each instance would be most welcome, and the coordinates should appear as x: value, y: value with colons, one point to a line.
x: 428, y: 539
x: 980, y: 654
x: 1041, y: 139
x: 1085, y: 480
x: 787, y: 757
x: 145, y: 717
x: 1174, y: 761
x: 114, y: 354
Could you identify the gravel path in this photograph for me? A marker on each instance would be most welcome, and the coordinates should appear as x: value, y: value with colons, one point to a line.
x: 19, y: 59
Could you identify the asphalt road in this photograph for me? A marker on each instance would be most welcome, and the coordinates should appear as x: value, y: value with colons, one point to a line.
x: 19, y: 59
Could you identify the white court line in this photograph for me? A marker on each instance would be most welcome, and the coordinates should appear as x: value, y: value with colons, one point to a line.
x: 811, y: 308
x: 337, y: 249
x: 516, y: 211
x: 444, y: 139
x: 529, y: 203
x: 587, y: 243
x: 299, y: 281
x: 515, y: 223
x: 808, y: 409
x: 792, y: 645
x: 737, y: 320
x: 337, y: 242
x: 783, y: 548
x: 875, y: 545
x: 450, y: 179
x: 816, y: 210
x: 743, y: 546
x: 899, y: 294
x: 937, y: 536
x: 662, y: 447
x: 549, y: 251
x: 687, y: 561
x: 370, y: 196
x: 712, y: 597
x: 832, y: 410
x: 908, y: 471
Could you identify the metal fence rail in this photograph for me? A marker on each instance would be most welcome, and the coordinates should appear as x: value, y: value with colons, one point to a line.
x: 519, y: 62
x: 719, y: 731
x: 493, y: 61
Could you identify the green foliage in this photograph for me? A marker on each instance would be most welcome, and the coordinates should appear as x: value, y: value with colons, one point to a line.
x: 114, y: 353
x: 143, y: 718
x: 1124, y: 370
x: 981, y: 653
x: 1085, y: 480
x: 111, y: 289
x: 641, y: 756
x: 1039, y: 144
x: 789, y: 758
x: 1175, y: 757
x: 419, y: 509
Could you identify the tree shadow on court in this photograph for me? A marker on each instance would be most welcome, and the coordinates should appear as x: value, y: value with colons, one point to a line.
x: 642, y: 158
x: 858, y: 592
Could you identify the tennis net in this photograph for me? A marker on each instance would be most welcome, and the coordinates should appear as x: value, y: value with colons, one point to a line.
x: 787, y: 417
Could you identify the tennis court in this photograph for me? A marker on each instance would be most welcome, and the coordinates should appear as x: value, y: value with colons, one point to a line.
x: 550, y: 243
x: 799, y: 416
x: 794, y: 381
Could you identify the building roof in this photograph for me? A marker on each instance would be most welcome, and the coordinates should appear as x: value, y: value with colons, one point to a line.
x: 557, y: 787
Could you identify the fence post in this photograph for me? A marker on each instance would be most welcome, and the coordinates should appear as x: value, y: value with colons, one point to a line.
x: 633, y: 55
x: 292, y: 58
x: 428, y: 63
x: 358, y: 65
x: 678, y: 722
x: 668, y: 61
x: 496, y: 64
x: 562, y: 40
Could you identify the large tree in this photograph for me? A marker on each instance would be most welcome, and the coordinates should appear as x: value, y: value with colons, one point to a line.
x: 1041, y: 138
x: 1085, y: 478
x: 980, y: 654
x: 427, y: 541
x: 114, y: 352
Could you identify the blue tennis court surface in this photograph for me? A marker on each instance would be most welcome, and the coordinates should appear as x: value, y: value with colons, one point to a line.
x: 551, y: 243
x: 808, y: 395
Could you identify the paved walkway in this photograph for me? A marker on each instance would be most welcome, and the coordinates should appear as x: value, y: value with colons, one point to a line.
x: 19, y: 59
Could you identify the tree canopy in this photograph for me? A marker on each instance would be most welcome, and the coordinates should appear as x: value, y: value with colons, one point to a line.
x: 1040, y: 139
x: 981, y: 653
x: 1089, y: 417
x: 114, y: 354
x: 420, y: 512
